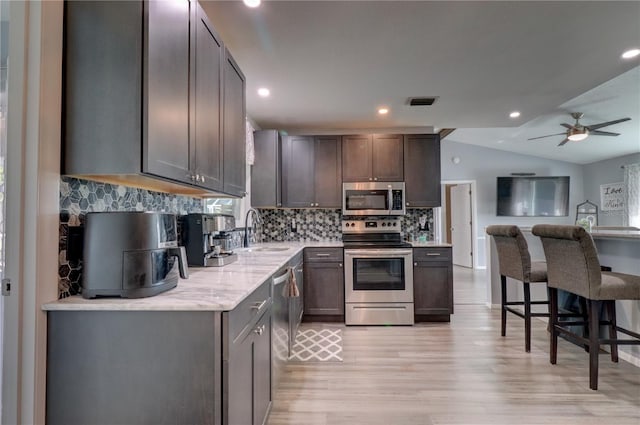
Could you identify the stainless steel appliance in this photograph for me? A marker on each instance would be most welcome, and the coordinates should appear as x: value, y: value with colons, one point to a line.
x: 131, y: 254
x: 373, y: 198
x: 378, y: 272
x: 287, y: 315
x: 204, y: 238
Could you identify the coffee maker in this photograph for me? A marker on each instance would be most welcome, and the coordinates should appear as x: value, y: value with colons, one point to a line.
x: 204, y: 238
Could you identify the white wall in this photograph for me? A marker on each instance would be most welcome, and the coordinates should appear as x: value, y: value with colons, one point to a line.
x: 483, y: 165
x: 602, y: 172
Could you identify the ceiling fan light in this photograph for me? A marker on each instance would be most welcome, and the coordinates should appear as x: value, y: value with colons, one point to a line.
x: 578, y: 136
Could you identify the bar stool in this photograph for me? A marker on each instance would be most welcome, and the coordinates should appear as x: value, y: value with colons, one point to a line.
x: 515, y: 262
x: 573, y: 266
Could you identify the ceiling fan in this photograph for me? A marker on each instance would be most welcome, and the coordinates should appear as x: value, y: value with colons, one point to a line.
x: 577, y: 131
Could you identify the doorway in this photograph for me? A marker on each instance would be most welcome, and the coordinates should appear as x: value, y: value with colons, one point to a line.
x: 458, y: 221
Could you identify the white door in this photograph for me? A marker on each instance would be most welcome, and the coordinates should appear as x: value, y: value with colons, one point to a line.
x: 461, y: 236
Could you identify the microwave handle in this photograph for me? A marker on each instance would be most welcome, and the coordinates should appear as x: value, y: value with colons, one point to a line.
x: 181, y: 253
x: 390, y: 197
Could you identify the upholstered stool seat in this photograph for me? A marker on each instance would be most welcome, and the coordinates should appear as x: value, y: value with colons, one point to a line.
x: 573, y: 266
x: 515, y: 262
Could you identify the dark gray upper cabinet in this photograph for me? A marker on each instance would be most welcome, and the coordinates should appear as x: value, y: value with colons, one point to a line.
x: 165, y: 91
x: 266, y: 182
x: 206, y: 57
x: 377, y: 157
x: 422, y: 170
x: 143, y: 95
x: 234, y: 128
x: 311, y: 171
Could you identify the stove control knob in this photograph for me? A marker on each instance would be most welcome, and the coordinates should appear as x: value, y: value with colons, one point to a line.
x: 384, y: 224
x: 346, y: 224
x: 395, y: 224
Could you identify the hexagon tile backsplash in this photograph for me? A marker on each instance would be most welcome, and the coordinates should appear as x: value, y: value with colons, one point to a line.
x: 78, y: 197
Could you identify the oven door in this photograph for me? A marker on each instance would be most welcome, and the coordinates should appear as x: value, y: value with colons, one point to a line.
x: 378, y: 275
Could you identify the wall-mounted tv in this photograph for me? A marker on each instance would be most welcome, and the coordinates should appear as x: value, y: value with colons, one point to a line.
x: 532, y: 196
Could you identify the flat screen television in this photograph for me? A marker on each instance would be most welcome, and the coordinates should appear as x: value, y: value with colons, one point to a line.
x: 533, y: 196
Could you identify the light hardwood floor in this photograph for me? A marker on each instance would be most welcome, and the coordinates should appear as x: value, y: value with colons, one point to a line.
x: 463, y: 372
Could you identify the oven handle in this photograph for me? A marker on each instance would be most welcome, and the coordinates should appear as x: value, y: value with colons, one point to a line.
x: 390, y: 253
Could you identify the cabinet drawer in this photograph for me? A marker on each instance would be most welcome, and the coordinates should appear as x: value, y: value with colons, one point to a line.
x: 431, y: 254
x: 333, y: 255
x: 248, y: 311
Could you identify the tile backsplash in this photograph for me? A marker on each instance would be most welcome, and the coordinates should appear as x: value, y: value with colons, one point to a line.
x: 325, y: 224
x: 78, y: 197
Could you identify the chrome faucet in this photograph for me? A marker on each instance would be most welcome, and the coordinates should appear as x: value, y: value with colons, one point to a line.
x: 256, y: 221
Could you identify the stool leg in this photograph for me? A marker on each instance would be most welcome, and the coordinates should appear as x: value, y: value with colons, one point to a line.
x: 584, y: 311
x: 611, y: 312
x: 527, y: 317
x: 594, y: 344
x: 503, y: 288
x: 553, y: 320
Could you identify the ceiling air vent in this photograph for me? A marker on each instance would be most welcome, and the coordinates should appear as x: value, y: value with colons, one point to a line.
x: 422, y: 101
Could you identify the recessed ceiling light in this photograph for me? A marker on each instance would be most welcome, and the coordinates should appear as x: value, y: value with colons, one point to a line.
x: 514, y: 114
x: 264, y: 92
x: 383, y: 111
x: 629, y: 54
x: 252, y: 3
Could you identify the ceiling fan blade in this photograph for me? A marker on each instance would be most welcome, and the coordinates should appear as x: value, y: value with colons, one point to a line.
x: 563, y: 142
x: 603, y: 133
x: 548, y: 135
x: 604, y: 124
x: 565, y: 125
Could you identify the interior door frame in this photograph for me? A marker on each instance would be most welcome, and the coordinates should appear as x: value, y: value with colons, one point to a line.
x: 441, y: 213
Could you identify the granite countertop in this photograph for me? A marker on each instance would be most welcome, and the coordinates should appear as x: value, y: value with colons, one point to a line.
x: 208, y: 288
x: 430, y: 244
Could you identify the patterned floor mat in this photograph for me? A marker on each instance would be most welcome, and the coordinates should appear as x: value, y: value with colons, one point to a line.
x: 317, y: 345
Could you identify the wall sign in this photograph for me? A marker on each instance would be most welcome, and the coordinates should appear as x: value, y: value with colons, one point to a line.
x: 612, y: 196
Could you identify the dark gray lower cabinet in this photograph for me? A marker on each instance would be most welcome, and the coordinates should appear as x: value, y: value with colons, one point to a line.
x: 323, y: 284
x: 161, y: 367
x: 248, y: 366
x: 432, y: 284
x: 134, y: 367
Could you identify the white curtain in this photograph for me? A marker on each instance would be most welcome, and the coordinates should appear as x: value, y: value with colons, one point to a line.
x: 249, y: 140
x: 632, y: 195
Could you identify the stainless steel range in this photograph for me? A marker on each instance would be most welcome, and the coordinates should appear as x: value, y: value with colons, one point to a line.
x: 378, y: 272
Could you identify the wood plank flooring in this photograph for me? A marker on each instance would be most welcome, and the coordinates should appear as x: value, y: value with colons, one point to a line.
x: 462, y: 372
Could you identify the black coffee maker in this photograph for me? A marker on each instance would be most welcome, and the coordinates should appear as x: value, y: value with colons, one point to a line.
x: 205, y: 240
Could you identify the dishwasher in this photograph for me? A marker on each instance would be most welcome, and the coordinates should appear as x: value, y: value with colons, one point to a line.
x: 287, y: 315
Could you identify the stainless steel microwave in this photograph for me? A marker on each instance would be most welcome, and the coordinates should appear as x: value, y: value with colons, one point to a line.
x: 373, y: 198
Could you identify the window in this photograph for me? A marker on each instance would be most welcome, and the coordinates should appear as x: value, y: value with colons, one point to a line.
x: 229, y: 206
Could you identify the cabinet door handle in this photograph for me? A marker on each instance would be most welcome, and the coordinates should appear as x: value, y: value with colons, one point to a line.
x: 407, y: 204
x: 259, y: 330
x: 375, y: 178
x: 323, y: 255
x: 415, y: 264
x: 433, y: 254
x: 340, y: 265
x: 258, y: 305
